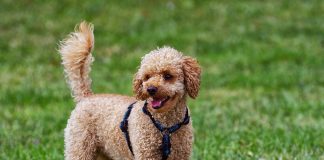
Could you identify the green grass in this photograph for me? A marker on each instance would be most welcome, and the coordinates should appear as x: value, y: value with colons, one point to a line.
x: 262, y: 91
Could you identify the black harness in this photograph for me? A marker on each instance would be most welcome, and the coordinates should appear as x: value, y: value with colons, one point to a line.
x: 166, y: 131
x: 124, y: 126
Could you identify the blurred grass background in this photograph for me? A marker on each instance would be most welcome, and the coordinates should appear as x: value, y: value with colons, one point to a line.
x: 262, y: 93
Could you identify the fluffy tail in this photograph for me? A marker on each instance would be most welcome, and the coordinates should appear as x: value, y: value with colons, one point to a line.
x: 76, y: 58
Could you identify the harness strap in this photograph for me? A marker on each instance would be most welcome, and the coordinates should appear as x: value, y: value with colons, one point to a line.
x: 166, y: 131
x: 124, y: 126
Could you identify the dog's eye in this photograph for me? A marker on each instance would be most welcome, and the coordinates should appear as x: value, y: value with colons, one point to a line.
x: 167, y: 76
x: 146, y: 77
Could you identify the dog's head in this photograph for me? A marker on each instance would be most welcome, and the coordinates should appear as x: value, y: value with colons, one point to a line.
x: 165, y: 77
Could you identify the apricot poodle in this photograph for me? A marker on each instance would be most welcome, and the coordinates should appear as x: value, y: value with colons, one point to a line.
x: 155, y: 124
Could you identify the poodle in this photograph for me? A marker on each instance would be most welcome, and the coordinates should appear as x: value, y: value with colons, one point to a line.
x: 154, y: 124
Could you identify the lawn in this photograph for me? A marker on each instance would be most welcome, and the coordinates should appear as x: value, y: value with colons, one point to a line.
x: 262, y: 91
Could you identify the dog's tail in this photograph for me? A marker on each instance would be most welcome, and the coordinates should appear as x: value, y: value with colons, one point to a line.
x: 76, y: 58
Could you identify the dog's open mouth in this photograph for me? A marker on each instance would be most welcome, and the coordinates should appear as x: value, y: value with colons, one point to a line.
x: 158, y: 103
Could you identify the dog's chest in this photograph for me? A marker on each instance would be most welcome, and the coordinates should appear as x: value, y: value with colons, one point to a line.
x: 146, y: 139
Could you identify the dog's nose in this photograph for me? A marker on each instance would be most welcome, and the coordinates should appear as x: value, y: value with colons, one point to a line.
x: 152, y: 90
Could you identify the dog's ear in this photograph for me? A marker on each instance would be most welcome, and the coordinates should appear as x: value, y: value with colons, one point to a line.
x: 192, y: 71
x: 138, y: 86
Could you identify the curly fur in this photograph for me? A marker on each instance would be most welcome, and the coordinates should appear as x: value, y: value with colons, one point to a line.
x: 76, y: 56
x: 93, y: 132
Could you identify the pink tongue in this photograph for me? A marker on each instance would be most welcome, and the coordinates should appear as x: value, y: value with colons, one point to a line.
x: 156, y: 103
